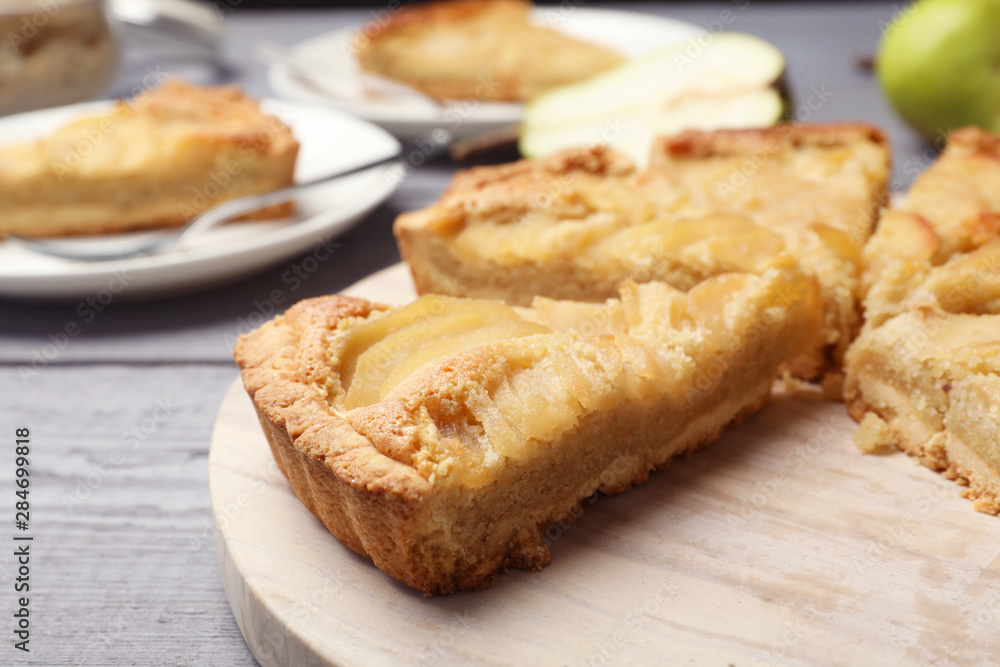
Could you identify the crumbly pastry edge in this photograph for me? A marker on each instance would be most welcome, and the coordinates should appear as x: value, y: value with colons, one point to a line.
x: 945, y: 453
x: 726, y: 142
x: 336, y: 473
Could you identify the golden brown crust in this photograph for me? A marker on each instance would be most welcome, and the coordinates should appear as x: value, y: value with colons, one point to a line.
x: 362, y: 496
x: 786, y: 136
x: 596, y: 161
x: 974, y: 139
x: 155, y: 161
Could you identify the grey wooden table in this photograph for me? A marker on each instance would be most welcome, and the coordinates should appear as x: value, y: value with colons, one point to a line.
x: 123, y: 563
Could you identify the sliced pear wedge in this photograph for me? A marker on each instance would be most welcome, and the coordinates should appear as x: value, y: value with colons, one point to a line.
x: 729, y: 82
x: 418, y: 329
x: 456, y: 342
x: 377, y: 328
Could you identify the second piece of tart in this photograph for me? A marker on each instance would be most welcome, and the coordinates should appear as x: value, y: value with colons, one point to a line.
x: 579, y: 223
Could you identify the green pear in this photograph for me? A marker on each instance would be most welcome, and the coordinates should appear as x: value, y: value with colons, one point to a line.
x: 939, y: 65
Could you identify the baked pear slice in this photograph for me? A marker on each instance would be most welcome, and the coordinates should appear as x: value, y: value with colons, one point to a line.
x: 729, y: 82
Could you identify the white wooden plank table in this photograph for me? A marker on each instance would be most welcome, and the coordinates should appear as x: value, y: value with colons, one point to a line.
x: 124, y: 568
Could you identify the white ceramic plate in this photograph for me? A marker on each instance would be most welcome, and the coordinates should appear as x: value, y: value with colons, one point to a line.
x: 330, y: 140
x: 630, y: 33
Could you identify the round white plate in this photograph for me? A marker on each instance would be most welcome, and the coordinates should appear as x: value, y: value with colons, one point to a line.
x: 780, y: 544
x: 330, y: 140
x: 630, y: 33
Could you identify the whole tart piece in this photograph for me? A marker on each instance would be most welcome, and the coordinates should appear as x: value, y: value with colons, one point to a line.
x: 487, y: 50
x: 442, y: 438
x: 925, y: 371
x: 157, y: 160
x: 579, y: 223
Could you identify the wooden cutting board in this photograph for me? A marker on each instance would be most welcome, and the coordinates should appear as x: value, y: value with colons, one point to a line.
x: 779, y: 544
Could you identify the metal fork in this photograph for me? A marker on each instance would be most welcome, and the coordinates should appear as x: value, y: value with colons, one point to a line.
x: 78, y: 250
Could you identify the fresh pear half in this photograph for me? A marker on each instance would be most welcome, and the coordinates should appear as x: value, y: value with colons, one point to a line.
x: 727, y: 80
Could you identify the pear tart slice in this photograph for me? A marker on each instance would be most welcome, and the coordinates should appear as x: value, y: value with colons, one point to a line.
x: 483, y: 50
x: 442, y: 438
x: 925, y: 372
x: 579, y: 223
x: 154, y: 161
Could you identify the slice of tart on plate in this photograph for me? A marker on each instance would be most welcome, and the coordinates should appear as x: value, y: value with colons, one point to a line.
x: 924, y: 374
x: 577, y: 224
x: 155, y: 161
x: 440, y: 439
x: 484, y: 50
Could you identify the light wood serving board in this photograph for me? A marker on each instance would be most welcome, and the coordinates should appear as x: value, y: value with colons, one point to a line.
x: 781, y: 544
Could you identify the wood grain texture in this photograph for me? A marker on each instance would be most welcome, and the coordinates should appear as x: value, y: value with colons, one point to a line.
x: 769, y: 547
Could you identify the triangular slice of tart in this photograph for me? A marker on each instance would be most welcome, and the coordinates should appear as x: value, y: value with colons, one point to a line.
x: 442, y: 438
x: 157, y: 160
